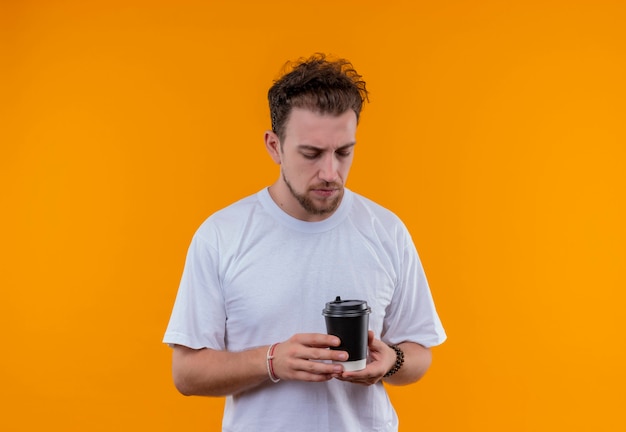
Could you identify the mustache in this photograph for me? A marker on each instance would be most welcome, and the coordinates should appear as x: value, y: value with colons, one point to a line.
x: 327, y: 185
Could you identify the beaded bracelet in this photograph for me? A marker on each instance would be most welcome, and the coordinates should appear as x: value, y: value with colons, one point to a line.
x: 399, y: 361
x: 268, y: 362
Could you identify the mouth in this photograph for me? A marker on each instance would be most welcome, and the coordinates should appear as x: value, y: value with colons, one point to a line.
x: 326, y: 191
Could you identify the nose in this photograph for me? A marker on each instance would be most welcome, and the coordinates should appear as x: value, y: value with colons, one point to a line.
x: 328, y: 168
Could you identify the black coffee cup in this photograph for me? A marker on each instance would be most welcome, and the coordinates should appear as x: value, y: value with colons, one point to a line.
x: 349, y: 321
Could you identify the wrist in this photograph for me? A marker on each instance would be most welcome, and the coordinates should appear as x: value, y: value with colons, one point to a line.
x: 398, y: 363
x: 269, y: 363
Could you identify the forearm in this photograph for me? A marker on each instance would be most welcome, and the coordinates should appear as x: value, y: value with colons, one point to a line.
x: 417, y: 360
x: 208, y: 372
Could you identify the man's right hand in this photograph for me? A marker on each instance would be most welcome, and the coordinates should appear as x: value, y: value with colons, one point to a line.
x: 305, y: 357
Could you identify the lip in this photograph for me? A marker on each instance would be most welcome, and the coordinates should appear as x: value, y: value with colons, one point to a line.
x: 324, y: 192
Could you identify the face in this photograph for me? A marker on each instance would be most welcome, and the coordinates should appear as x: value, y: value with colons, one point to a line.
x: 315, y: 158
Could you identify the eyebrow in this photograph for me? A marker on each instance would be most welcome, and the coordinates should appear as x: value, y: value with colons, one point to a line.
x: 312, y: 147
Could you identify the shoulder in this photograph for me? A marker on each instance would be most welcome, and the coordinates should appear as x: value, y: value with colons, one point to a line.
x: 367, y: 211
x: 230, y: 218
x: 374, y: 220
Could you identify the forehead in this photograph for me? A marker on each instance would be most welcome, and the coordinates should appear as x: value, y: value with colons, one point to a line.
x: 309, y: 127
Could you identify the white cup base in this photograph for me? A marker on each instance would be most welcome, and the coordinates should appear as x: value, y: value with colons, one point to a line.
x: 351, y: 366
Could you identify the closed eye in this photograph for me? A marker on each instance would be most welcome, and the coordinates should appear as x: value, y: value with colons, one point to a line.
x: 311, y: 155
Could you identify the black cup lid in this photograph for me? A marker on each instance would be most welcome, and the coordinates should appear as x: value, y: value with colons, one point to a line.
x: 340, y: 307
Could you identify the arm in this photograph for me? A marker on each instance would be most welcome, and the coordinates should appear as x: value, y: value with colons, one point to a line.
x: 208, y: 372
x: 417, y: 360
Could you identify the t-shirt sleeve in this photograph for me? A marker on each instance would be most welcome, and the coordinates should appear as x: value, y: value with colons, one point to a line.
x: 198, y: 317
x: 412, y: 316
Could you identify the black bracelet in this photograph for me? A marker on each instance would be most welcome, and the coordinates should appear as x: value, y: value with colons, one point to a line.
x: 399, y: 361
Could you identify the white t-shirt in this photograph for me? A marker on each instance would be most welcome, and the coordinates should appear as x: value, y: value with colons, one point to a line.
x: 255, y: 275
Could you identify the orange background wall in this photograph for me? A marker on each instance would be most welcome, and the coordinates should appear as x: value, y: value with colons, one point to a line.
x: 496, y: 130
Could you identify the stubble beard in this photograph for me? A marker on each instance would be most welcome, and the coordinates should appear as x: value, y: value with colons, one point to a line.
x: 310, y: 206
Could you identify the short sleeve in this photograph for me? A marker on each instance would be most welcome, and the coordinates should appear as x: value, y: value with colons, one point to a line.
x: 198, y: 316
x: 411, y: 315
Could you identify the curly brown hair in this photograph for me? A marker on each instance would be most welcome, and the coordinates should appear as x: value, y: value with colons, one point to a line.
x: 319, y: 84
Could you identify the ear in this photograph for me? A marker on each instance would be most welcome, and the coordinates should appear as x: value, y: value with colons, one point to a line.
x: 272, y: 144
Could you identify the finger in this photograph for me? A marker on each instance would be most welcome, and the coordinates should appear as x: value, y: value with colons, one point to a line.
x: 365, y: 382
x: 308, y: 377
x: 321, y: 354
x: 294, y: 349
x: 303, y: 358
x: 320, y: 340
x: 362, y: 377
x: 371, y: 372
x: 353, y: 376
x: 327, y: 354
x: 306, y: 369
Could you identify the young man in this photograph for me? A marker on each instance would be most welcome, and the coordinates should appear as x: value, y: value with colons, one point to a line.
x: 247, y: 321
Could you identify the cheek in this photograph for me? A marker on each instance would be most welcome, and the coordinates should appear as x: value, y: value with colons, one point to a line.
x: 296, y: 171
x: 345, y: 169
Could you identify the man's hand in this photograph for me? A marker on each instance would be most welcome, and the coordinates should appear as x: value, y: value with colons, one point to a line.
x: 302, y: 357
x: 381, y: 359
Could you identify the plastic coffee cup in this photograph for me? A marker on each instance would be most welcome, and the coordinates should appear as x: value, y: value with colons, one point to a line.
x: 349, y: 321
